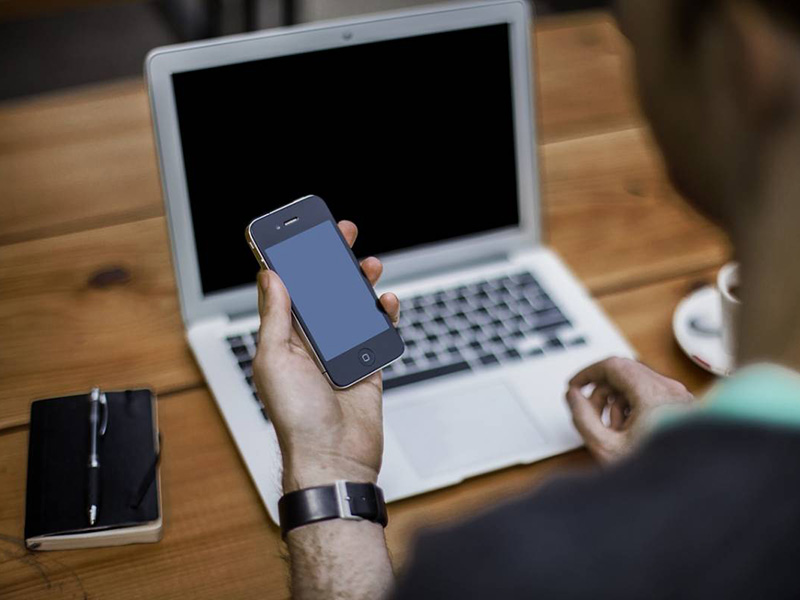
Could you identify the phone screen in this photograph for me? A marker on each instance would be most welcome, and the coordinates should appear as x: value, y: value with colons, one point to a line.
x: 328, y: 291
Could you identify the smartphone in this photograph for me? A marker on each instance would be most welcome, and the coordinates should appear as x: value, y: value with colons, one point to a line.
x: 334, y: 307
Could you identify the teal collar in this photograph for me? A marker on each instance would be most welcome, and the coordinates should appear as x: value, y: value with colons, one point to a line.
x: 765, y: 393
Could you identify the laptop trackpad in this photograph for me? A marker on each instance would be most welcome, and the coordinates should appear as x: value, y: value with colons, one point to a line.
x: 467, y: 428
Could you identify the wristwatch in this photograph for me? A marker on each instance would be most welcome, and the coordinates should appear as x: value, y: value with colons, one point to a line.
x: 342, y: 500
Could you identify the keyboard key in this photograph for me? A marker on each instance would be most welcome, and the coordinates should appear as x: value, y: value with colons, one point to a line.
x: 548, y: 327
x: 264, y: 412
x: 408, y: 361
x: 431, y: 355
x: 425, y: 375
x: 512, y: 354
x: 241, y: 352
x: 476, y: 345
x: 554, y: 344
x: 549, y: 314
x: 235, y: 340
x: 578, y: 341
x: 523, y: 278
x: 489, y: 359
x: 525, y: 306
x: 544, y: 304
x: 504, y: 281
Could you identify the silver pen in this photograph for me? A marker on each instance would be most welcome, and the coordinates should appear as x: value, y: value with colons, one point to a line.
x: 96, y: 400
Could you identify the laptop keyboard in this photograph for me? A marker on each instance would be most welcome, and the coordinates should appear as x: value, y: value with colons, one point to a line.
x: 465, y: 328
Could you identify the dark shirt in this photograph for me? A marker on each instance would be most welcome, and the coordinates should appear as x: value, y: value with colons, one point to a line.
x: 707, y: 509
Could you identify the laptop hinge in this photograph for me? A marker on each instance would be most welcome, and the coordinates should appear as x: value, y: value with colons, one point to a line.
x: 245, y: 314
x: 423, y: 273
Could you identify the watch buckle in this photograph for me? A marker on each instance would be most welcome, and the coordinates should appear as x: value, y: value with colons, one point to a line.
x: 343, y: 501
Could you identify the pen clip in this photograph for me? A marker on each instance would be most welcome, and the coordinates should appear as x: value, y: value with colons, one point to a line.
x: 104, y: 420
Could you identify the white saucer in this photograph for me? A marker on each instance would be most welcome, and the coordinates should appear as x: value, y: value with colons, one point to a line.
x: 697, y: 326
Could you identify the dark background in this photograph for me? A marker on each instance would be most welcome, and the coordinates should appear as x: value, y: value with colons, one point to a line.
x: 48, y: 45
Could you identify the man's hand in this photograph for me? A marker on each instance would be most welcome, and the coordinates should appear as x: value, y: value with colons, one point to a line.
x: 630, y: 392
x: 324, y: 434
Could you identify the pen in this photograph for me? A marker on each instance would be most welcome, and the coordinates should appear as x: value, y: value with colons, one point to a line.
x: 95, y: 400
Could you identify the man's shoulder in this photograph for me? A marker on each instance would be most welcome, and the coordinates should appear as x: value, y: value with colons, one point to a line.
x: 662, y: 517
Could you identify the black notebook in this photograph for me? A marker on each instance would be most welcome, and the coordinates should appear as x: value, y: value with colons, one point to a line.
x: 129, y: 507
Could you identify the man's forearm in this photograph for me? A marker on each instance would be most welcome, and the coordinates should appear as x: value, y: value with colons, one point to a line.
x: 338, y: 558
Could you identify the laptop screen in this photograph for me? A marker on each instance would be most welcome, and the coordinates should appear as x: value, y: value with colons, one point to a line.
x: 412, y: 139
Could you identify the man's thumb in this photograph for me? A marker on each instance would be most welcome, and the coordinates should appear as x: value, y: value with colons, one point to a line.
x: 275, y: 309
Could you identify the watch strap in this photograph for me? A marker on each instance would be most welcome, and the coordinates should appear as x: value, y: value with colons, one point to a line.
x: 343, y: 500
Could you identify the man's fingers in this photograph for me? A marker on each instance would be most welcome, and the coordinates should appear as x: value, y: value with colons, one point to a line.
x: 349, y: 231
x: 599, y: 397
x: 262, y: 281
x: 620, y: 374
x: 391, y: 305
x: 373, y: 268
x: 617, y: 415
x: 592, y: 374
x: 587, y: 421
x: 275, y: 309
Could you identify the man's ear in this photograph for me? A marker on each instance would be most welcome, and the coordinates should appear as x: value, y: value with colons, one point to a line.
x: 763, y: 62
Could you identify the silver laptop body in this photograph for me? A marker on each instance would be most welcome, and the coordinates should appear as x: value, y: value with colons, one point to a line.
x: 495, y: 324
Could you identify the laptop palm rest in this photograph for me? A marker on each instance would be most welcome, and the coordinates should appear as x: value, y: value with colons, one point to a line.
x: 470, y: 427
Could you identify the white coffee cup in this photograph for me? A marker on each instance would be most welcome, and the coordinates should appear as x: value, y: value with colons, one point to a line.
x: 728, y: 284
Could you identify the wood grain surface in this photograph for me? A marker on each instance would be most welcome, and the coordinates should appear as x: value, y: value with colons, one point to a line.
x: 91, y: 308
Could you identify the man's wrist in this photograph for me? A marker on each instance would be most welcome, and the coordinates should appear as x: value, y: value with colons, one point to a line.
x: 324, y: 470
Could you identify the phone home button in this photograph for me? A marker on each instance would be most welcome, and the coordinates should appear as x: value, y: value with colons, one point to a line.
x: 366, y: 356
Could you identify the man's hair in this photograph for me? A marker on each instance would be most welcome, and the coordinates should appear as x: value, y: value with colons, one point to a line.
x: 784, y: 9
x: 693, y: 12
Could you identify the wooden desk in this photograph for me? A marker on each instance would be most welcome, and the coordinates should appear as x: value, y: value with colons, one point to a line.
x: 84, y: 262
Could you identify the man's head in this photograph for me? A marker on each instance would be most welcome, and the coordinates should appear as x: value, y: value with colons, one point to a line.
x: 719, y: 80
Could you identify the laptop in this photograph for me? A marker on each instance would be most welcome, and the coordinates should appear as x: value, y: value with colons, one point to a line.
x: 419, y: 126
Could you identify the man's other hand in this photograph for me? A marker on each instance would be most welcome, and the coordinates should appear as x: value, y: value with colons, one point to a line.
x: 324, y: 434
x: 628, y: 392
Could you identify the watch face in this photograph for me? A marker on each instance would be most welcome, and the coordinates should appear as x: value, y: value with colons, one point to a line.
x: 342, y: 500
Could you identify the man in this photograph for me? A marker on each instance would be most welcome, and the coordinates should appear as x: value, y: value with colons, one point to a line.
x: 705, y: 505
